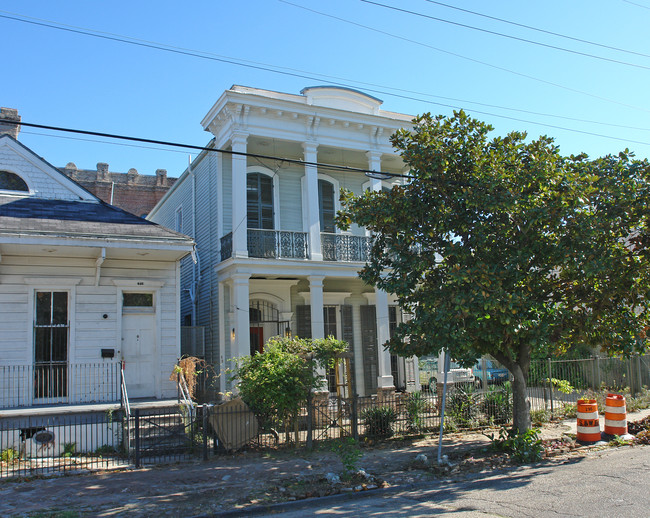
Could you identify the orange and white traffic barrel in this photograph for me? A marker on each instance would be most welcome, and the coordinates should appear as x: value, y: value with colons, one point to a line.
x: 588, y: 429
x: 615, y: 415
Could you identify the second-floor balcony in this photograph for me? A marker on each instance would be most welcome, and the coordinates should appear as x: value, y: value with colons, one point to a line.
x: 270, y: 244
x: 284, y: 244
x: 344, y: 247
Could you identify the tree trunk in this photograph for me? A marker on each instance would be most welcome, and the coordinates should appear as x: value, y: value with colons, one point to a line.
x: 520, y: 403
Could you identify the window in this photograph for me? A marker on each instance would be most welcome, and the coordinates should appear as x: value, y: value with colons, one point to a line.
x: 259, y: 199
x: 51, y: 344
x: 178, y: 226
x: 12, y: 182
x: 326, y: 206
x: 137, y: 300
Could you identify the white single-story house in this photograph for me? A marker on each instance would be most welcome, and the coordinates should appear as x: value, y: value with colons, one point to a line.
x: 86, y: 289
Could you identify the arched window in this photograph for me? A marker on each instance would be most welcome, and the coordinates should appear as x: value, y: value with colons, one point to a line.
x: 12, y: 182
x: 326, y: 206
x: 259, y: 198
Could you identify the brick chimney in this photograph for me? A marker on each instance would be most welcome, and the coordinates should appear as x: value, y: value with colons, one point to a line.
x: 9, y: 114
x: 161, y: 177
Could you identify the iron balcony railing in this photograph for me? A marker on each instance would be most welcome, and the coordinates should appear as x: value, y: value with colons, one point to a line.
x: 345, y: 248
x: 270, y: 244
x: 59, y: 383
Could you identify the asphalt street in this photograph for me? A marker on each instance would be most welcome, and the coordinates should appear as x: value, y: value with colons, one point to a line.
x: 606, y: 483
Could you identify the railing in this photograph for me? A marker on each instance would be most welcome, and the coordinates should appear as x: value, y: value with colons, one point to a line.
x: 270, y: 244
x: 344, y: 247
x: 59, y: 383
x: 277, y: 244
x: 126, y: 408
x: 226, y: 246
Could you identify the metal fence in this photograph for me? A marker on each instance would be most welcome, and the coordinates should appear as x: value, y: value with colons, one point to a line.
x: 45, y: 444
x: 64, y: 383
x: 59, y: 443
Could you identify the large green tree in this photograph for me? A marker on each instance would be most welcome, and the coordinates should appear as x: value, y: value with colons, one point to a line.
x: 504, y: 247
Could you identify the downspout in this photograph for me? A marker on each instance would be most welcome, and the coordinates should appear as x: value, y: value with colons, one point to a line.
x: 98, y: 265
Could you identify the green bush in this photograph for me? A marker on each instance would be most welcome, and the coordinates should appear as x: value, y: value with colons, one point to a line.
x: 525, y: 447
x: 9, y: 455
x: 463, y: 406
x: 349, y: 452
x: 497, y: 404
x: 539, y: 417
x: 379, y: 421
x: 416, y: 405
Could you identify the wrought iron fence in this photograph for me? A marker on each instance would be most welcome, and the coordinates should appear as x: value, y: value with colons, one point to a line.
x: 344, y: 247
x: 60, y: 383
x: 56, y: 443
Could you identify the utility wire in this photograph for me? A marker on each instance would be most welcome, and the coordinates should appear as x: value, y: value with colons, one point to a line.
x: 320, y: 165
x: 314, y: 76
x: 473, y: 60
x: 503, y: 35
x: 516, y: 24
x: 638, y: 5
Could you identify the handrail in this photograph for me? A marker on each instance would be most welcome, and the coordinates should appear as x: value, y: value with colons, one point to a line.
x: 124, y: 400
x: 184, y: 392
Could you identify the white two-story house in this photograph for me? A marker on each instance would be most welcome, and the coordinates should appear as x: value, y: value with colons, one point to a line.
x: 260, y: 203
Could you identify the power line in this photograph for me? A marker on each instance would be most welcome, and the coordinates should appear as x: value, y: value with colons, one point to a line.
x: 455, y: 54
x: 320, y: 165
x: 503, y: 35
x: 544, y: 31
x: 314, y: 76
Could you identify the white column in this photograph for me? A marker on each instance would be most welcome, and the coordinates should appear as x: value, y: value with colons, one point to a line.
x: 239, y: 225
x: 317, y: 322
x: 242, y: 345
x: 385, y: 378
x: 311, y: 201
x: 374, y: 164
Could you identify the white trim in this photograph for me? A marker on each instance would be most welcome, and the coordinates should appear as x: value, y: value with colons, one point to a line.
x: 52, y: 281
x: 144, y: 284
x: 330, y: 298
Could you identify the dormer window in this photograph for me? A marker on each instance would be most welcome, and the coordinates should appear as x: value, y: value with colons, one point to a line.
x: 12, y: 182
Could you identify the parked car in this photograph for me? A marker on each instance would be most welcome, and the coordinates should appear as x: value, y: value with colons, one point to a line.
x: 494, y: 372
x: 432, y: 373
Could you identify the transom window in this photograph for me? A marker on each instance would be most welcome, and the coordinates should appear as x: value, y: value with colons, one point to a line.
x: 137, y: 300
x: 259, y: 198
x: 12, y: 182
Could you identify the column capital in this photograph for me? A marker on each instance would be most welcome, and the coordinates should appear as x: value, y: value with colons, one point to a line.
x: 374, y: 155
x: 240, y: 278
x: 315, y: 280
x: 310, y: 146
x: 238, y: 138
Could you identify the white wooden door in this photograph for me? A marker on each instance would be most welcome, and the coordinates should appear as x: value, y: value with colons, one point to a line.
x: 138, y: 346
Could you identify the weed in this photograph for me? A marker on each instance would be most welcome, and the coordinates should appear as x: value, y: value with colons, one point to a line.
x: 349, y: 452
x: 9, y: 455
x: 69, y: 449
x: 379, y: 421
x: 617, y: 441
x: 539, y: 417
x: 525, y: 447
x: 416, y: 405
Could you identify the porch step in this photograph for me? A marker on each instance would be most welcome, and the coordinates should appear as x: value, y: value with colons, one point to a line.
x: 162, y: 432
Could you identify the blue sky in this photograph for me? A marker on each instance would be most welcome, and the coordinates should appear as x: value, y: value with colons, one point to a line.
x: 414, y: 64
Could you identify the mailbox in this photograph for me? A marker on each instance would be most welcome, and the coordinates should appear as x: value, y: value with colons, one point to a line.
x: 108, y: 353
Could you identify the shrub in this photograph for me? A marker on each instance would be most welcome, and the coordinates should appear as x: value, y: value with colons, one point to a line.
x: 379, y: 421
x: 69, y: 449
x: 525, y: 447
x: 9, y: 455
x: 462, y: 406
x: 349, y: 452
x: 416, y: 405
x: 497, y: 404
x: 539, y: 417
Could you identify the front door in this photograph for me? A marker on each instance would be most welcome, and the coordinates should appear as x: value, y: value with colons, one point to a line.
x: 257, y: 340
x: 138, y: 348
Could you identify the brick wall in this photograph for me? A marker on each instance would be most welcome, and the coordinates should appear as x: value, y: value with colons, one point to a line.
x: 132, y: 191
